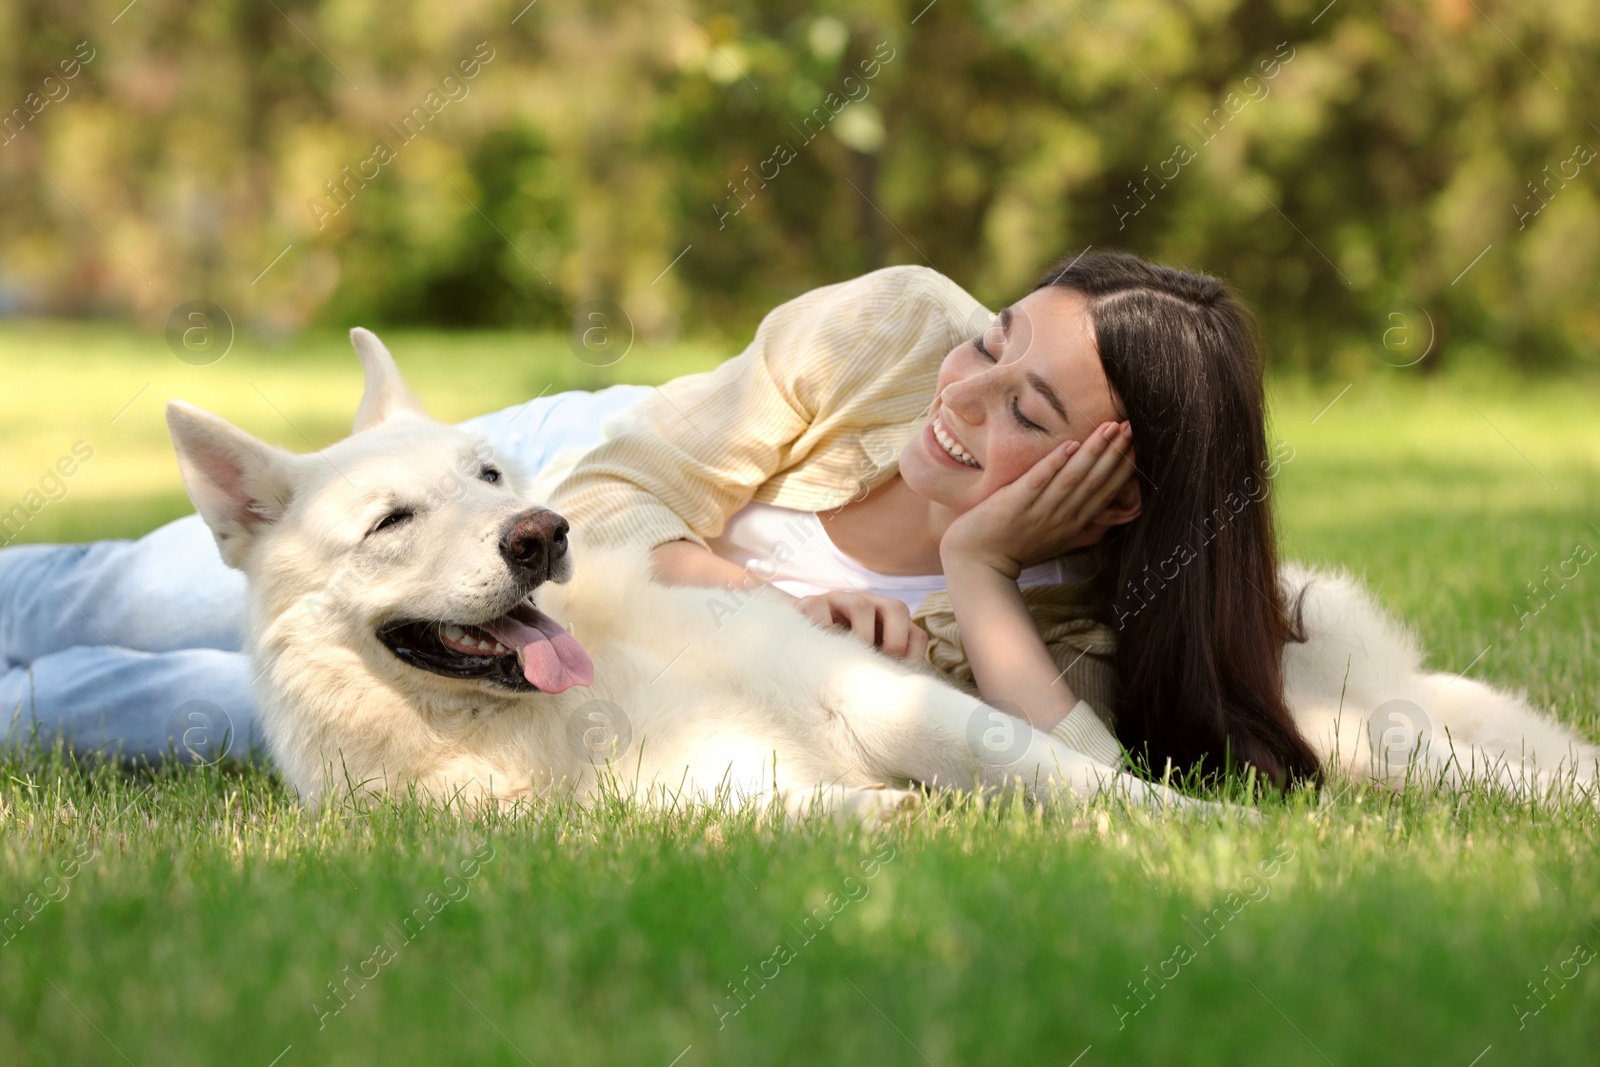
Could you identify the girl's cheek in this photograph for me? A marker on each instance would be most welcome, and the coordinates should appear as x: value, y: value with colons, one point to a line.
x: 1003, y: 464
x: 1009, y: 461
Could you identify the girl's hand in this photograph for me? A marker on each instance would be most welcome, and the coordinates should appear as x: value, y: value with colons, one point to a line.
x: 1043, y: 513
x: 881, y: 622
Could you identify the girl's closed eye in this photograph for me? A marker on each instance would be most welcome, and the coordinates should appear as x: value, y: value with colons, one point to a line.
x: 1016, y: 407
x: 1023, y: 420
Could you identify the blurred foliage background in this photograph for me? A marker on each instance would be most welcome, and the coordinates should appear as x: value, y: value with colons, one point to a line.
x: 1399, y: 173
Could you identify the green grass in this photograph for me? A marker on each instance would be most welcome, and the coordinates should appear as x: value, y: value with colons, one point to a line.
x: 212, y: 913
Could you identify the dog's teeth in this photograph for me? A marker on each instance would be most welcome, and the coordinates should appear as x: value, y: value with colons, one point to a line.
x: 454, y: 632
x: 498, y: 647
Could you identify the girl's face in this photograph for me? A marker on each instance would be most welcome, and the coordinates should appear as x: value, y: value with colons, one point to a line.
x: 1030, y: 382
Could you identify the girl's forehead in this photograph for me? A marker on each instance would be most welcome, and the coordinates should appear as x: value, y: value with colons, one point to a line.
x: 1052, y: 333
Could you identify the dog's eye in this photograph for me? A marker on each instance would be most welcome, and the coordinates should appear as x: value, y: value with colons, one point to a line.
x: 490, y: 475
x: 394, y: 518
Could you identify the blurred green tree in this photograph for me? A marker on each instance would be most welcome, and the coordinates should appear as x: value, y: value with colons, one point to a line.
x: 1371, y: 176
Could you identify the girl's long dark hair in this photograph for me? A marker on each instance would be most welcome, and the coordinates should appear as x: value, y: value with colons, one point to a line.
x: 1194, y: 598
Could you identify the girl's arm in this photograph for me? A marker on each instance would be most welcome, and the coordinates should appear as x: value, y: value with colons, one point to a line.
x: 687, y: 563
x: 1041, y: 514
x: 1010, y: 661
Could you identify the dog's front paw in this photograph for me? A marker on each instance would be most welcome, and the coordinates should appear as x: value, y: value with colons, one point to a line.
x: 879, y: 804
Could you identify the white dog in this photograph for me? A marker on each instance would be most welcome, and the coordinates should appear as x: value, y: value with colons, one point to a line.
x: 1360, y: 696
x: 403, y: 617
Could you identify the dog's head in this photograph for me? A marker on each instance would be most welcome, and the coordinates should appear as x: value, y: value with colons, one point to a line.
x: 408, y: 542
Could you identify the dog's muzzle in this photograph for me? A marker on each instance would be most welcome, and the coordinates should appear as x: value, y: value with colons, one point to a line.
x: 522, y: 650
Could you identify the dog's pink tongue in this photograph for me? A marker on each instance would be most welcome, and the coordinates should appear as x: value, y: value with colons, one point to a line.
x: 552, y: 659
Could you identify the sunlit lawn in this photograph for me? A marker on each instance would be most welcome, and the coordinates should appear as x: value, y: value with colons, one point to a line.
x: 214, y: 922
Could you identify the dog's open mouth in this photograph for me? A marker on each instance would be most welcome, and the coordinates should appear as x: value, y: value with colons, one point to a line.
x: 524, y: 650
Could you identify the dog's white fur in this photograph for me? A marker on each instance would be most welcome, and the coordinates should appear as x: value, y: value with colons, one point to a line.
x: 683, y: 706
x: 1360, y: 695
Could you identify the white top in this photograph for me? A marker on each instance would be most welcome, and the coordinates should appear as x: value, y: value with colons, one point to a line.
x: 792, y: 550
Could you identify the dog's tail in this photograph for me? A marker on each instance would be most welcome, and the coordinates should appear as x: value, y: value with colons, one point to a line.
x: 1352, y: 645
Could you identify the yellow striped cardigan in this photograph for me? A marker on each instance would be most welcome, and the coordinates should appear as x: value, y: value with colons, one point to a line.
x: 811, y: 415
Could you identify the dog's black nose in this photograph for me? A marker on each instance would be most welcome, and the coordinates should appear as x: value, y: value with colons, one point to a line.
x: 533, y: 541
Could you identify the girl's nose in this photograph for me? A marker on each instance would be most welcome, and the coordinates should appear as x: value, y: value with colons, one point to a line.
x: 965, y: 398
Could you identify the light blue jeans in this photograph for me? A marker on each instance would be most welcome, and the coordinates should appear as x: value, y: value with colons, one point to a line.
x: 133, y: 646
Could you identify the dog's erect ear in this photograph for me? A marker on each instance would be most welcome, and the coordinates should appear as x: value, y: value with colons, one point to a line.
x: 238, y: 484
x: 386, y: 396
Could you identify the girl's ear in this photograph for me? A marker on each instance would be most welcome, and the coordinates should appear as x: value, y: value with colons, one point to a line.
x: 1124, y: 507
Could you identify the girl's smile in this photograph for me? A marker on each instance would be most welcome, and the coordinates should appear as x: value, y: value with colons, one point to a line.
x: 944, y: 445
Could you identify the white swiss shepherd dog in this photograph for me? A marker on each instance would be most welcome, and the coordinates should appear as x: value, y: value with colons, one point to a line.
x: 415, y: 621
